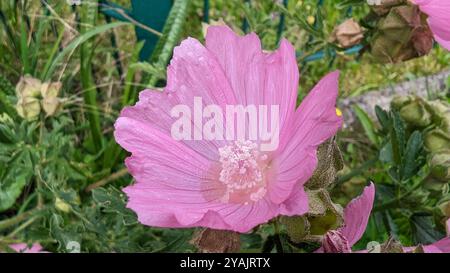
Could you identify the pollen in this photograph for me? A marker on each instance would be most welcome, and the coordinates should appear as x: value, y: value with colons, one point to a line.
x: 338, y: 112
x: 242, y: 172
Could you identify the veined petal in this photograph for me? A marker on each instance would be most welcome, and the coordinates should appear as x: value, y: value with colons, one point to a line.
x: 356, y: 215
x: 256, y: 77
x: 23, y: 248
x: 315, y: 121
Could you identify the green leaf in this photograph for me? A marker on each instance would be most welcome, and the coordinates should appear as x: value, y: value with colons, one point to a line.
x: 113, y: 200
x: 411, y: 157
x: 69, y: 49
x: 383, y: 118
x: 171, y: 34
x: 423, y: 230
x: 14, y: 180
x: 367, y: 124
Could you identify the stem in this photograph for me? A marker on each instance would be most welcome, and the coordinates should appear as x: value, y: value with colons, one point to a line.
x: 40, y: 199
x: 18, y: 218
x: 22, y: 227
x: 87, y: 82
x: 277, y: 239
x: 357, y: 171
x: 107, y: 180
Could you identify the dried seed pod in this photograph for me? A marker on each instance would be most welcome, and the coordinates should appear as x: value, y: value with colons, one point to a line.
x: 347, y: 34
x: 216, y: 241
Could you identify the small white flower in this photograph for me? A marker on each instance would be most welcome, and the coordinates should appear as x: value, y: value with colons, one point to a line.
x: 74, y: 2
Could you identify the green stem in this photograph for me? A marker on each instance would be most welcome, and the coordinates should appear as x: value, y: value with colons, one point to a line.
x: 357, y: 171
x: 90, y: 94
x: 18, y: 218
x: 277, y: 239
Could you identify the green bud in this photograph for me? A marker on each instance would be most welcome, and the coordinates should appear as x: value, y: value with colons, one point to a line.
x: 50, y: 101
x: 322, y: 224
x: 28, y: 108
x: 329, y: 163
x: 323, y: 215
x: 440, y: 165
x: 399, y: 101
x: 62, y: 206
x: 445, y: 208
x: 416, y: 114
x: 28, y: 87
x: 445, y: 123
x: 437, y: 140
x: 297, y: 227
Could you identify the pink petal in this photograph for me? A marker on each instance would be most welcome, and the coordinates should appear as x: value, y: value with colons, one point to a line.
x: 256, y: 77
x: 314, y: 122
x: 177, y: 187
x: 182, y: 208
x: 441, y: 246
x: 242, y: 61
x: 296, y: 204
x: 356, y: 215
x: 23, y: 248
x: 444, y: 43
x: 194, y: 71
x: 438, y: 12
x: 153, y: 110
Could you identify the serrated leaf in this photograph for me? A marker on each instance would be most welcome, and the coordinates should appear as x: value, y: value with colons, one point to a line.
x: 423, y: 230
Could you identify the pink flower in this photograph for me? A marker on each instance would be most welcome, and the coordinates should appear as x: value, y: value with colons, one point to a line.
x: 23, y: 248
x: 221, y: 184
x: 438, y: 12
x: 356, y: 216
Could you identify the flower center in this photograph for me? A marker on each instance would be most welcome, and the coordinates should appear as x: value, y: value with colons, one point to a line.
x: 242, y: 172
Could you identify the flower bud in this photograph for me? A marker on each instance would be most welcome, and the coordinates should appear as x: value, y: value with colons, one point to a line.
x: 399, y: 101
x: 445, y: 208
x: 347, y: 34
x: 329, y: 163
x: 415, y: 113
x: 50, y: 101
x: 437, y: 140
x: 440, y: 111
x: 28, y: 108
x: 403, y: 34
x: 216, y: 241
x: 440, y: 165
x: 61, y: 205
x: 445, y: 122
x: 382, y: 7
x: 28, y: 87
x: 297, y: 227
x: 335, y: 242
